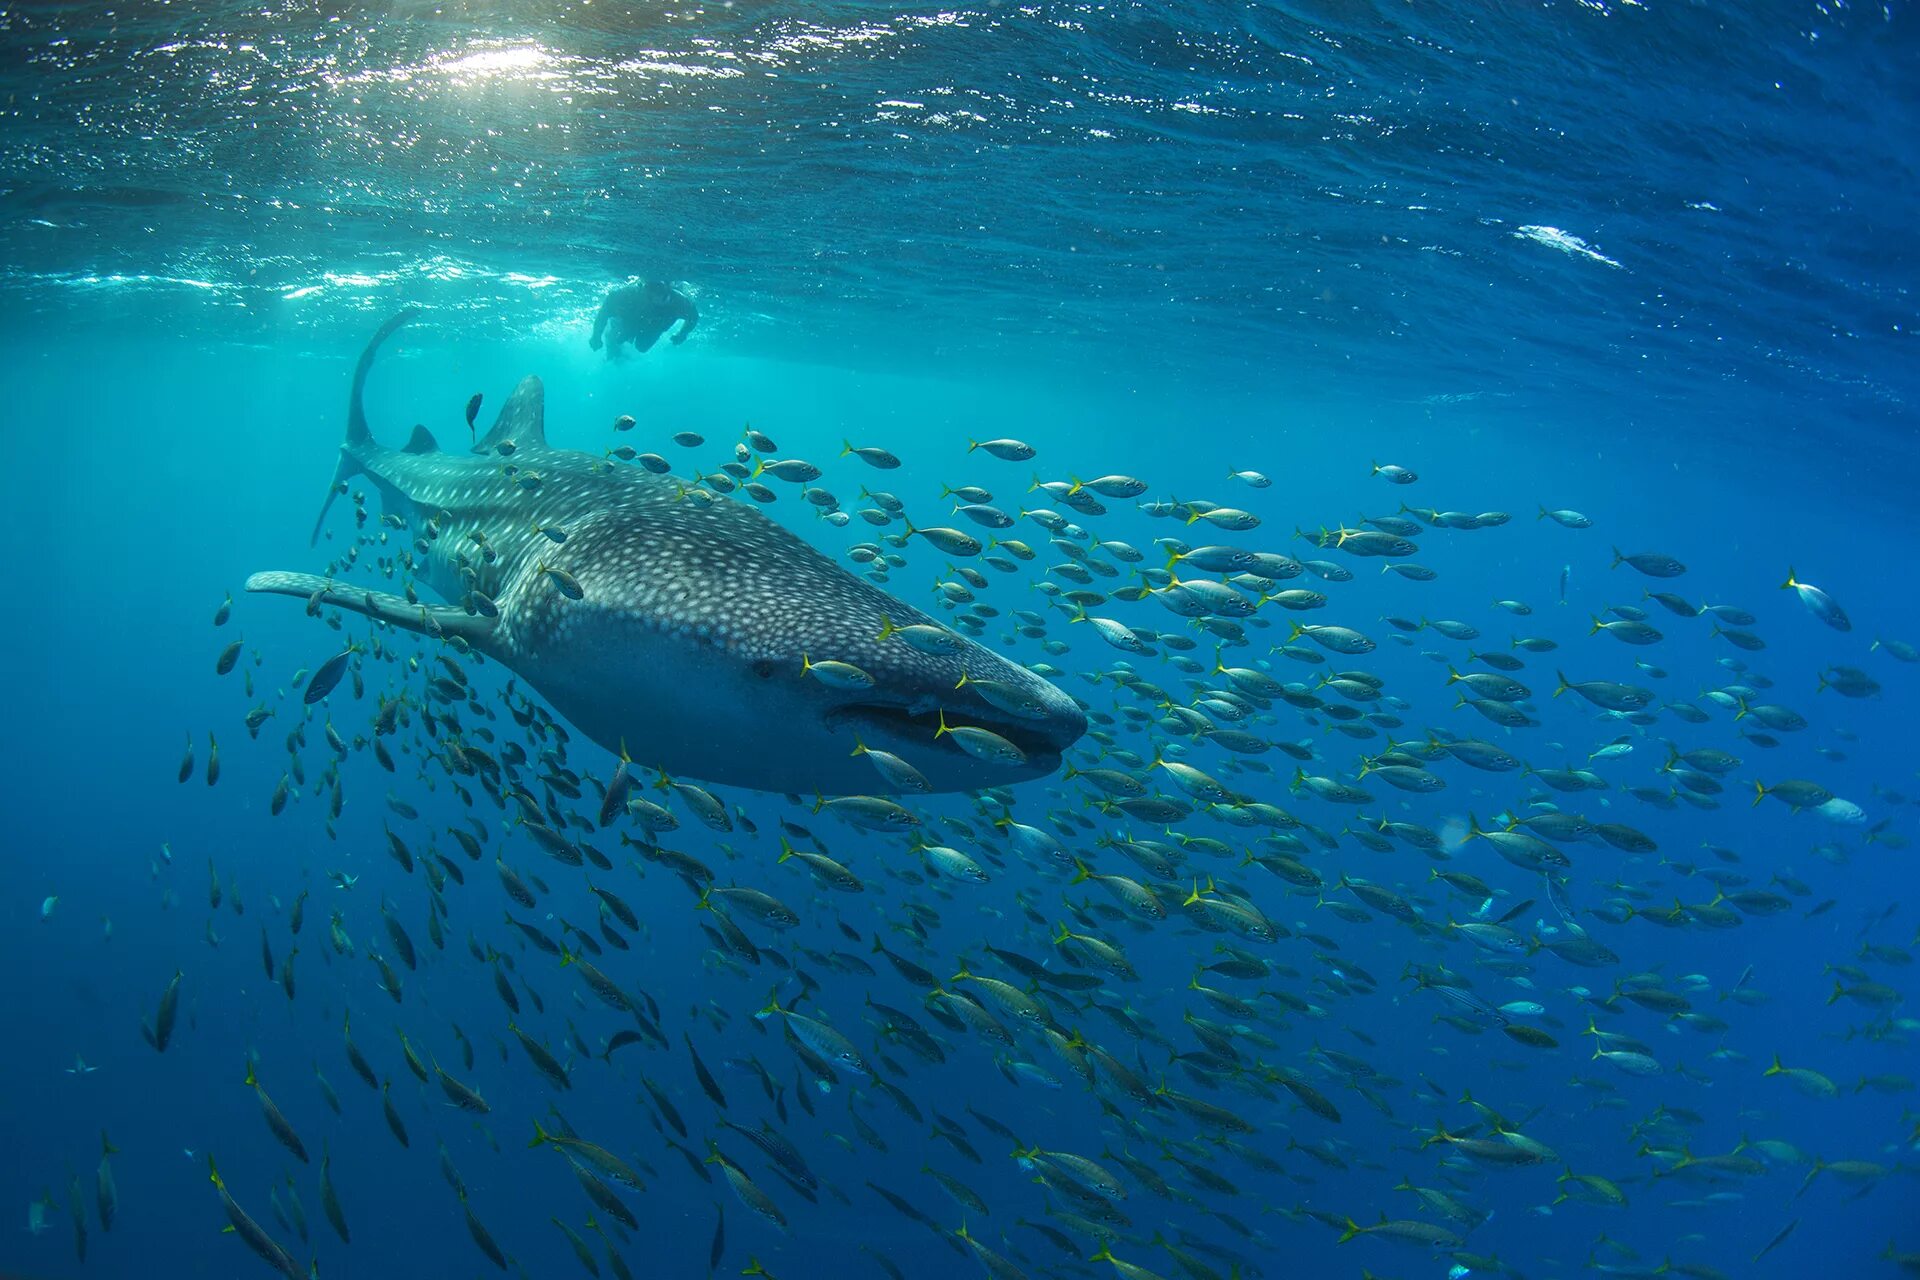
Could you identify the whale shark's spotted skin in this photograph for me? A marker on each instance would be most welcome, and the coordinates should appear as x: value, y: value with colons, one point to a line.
x: 687, y: 643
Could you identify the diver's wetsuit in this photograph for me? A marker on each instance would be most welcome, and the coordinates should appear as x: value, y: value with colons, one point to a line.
x: 639, y: 313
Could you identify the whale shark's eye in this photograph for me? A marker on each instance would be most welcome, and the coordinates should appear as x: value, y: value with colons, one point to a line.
x: 763, y: 668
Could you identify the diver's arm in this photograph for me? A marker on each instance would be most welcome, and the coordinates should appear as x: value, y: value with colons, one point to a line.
x: 689, y: 317
x: 600, y: 322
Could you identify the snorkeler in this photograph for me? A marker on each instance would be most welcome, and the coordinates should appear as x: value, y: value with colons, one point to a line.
x: 640, y: 311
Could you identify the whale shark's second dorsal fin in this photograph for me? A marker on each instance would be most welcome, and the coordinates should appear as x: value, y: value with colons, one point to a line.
x: 523, y: 419
x: 421, y: 441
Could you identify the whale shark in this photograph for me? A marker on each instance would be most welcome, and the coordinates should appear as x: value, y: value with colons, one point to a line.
x: 679, y: 626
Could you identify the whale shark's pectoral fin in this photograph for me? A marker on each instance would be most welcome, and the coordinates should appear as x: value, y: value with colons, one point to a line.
x: 438, y: 620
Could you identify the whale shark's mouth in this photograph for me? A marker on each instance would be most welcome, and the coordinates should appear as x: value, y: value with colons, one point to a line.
x: 905, y: 725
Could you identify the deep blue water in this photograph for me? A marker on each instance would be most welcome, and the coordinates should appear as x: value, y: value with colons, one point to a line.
x: 1646, y: 262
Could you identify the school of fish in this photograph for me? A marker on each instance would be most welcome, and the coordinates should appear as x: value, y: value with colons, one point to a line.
x: 1250, y: 795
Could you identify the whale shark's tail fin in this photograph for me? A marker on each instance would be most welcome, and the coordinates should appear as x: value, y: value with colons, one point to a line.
x: 359, y: 440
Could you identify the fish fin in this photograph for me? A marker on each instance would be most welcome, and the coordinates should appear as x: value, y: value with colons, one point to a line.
x: 421, y: 441
x: 427, y: 619
x: 523, y: 419
x: 359, y: 441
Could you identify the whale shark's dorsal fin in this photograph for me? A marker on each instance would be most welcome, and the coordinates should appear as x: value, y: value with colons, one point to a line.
x: 523, y: 419
x: 421, y: 441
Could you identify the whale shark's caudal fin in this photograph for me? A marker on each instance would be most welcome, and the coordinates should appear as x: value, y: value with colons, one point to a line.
x: 359, y: 440
x: 522, y: 420
x: 439, y: 620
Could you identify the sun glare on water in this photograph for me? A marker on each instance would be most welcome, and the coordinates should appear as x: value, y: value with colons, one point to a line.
x: 519, y: 61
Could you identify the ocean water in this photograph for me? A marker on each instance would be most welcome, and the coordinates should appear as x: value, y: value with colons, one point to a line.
x: 1650, y: 263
